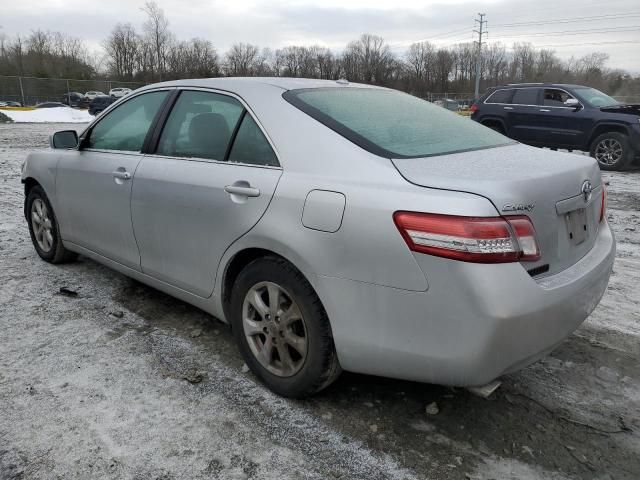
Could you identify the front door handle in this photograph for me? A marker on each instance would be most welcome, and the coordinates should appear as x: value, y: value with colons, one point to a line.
x: 545, y: 110
x: 508, y: 108
x: 243, y: 189
x: 122, y: 175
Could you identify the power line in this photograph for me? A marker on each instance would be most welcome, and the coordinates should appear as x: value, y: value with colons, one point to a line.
x: 631, y: 28
x: 587, y: 43
x: 570, y: 20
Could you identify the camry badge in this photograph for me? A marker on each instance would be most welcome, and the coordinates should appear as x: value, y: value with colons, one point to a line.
x: 586, y: 190
x: 520, y: 207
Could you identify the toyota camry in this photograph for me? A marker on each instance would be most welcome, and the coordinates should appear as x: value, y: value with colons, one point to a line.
x: 335, y: 226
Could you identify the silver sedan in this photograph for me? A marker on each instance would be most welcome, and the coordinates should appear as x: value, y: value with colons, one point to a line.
x: 333, y: 225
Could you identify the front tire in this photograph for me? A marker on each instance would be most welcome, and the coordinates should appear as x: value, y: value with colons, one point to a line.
x: 282, y: 329
x: 43, y: 228
x: 612, y: 151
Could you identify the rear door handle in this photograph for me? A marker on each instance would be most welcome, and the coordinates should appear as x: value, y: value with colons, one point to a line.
x: 122, y: 175
x: 508, y: 108
x: 544, y: 110
x: 242, y: 190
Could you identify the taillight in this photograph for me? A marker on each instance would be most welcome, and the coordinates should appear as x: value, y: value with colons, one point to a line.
x: 603, y: 202
x: 469, y: 239
x: 474, y: 108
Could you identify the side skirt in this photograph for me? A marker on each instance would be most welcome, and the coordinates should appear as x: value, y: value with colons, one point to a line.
x: 211, y: 305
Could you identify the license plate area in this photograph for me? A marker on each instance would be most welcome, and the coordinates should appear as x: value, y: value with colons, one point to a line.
x: 577, y: 228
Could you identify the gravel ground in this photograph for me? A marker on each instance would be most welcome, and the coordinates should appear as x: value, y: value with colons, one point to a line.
x: 123, y: 381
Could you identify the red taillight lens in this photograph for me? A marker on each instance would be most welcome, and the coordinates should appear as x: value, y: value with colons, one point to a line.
x: 474, y: 108
x: 603, y: 202
x: 470, y: 239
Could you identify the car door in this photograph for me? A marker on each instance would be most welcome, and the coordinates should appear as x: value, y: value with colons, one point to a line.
x: 93, y: 183
x: 521, y: 114
x: 209, y: 180
x: 561, y: 126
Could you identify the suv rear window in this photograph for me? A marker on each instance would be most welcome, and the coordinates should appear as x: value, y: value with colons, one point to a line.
x: 500, y: 96
x: 393, y: 124
x: 525, y: 96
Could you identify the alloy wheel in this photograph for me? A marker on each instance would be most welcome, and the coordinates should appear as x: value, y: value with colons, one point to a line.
x: 275, y: 329
x: 42, y: 225
x: 609, y: 151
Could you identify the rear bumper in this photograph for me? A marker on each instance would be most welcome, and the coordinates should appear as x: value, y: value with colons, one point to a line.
x: 475, y: 323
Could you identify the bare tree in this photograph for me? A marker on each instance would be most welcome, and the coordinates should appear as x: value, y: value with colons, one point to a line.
x: 157, y: 33
x: 242, y: 59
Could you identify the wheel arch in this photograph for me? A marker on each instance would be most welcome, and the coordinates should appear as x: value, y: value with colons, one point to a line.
x: 29, y: 183
x: 239, y: 261
x: 486, y: 121
x: 606, y: 128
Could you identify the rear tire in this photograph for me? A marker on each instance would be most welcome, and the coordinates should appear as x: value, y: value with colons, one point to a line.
x: 43, y: 228
x: 612, y: 151
x: 287, y: 343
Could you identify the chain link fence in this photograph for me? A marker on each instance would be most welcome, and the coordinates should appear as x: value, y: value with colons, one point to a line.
x: 33, y: 90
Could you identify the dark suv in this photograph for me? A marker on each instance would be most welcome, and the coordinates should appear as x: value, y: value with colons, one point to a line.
x: 564, y: 116
x: 99, y: 103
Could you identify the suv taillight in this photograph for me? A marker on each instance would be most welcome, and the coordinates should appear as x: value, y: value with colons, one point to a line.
x: 474, y: 108
x: 469, y: 239
x: 603, y: 202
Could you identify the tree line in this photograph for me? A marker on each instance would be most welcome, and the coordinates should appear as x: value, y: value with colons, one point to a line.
x: 153, y: 53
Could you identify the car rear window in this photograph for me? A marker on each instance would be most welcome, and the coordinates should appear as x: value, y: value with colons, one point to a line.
x: 500, y: 96
x: 525, y: 96
x: 393, y: 124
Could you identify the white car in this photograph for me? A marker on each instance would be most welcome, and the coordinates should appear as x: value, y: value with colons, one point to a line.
x: 119, y: 92
x: 92, y: 94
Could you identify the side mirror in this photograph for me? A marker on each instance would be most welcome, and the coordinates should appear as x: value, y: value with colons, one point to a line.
x: 64, y: 139
x: 572, y: 103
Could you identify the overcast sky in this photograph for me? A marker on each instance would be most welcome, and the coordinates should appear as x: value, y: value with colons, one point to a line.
x: 333, y: 23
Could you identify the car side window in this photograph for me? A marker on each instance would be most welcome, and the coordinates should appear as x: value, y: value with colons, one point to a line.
x: 554, y: 97
x: 525, y: 96
x: 501, y: 96
x: 125, y: 128
x: 250, y: 145
x: 200, y: 125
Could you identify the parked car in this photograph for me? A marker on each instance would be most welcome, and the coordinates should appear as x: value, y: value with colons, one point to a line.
x: 334, y: 225
x: 93, y: 94
x: 564, y: 116
x: 99, y: 103
x: 119, y: 92
x: 51, y: 105
x: 10, y: 103
x: 449, y: 104
x: 73, y: 99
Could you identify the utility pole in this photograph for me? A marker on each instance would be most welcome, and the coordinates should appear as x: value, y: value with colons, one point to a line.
x: 482, y: 22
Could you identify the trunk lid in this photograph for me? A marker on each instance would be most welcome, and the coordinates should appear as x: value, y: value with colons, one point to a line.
x: 520, y: 180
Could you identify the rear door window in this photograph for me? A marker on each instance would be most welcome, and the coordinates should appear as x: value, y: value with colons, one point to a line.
x: 525, y: 96
x: 500, y: 96
x: 250, y: 145
x: 200, y: 125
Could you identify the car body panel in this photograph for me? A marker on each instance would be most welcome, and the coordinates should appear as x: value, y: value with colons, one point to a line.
x: 184, y: 220
x: 521, y: 175
x: 103, y: 226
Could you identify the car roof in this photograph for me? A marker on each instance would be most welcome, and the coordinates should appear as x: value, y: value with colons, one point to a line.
x: 242, y: 83
x: 547, y: 84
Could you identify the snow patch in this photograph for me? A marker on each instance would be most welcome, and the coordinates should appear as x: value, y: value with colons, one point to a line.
x: 49, y: 115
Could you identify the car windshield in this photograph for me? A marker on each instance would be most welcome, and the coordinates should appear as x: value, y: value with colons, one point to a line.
x: 595, y: 98
x: 393, y: 124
